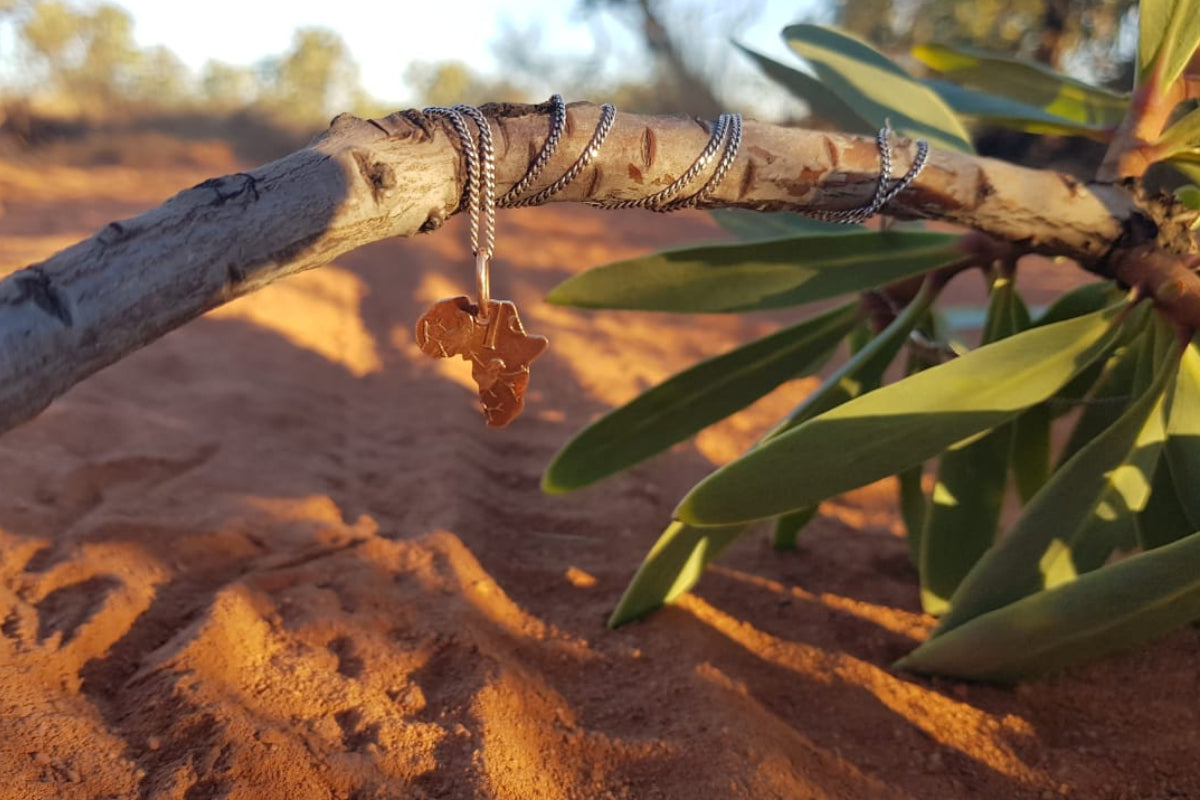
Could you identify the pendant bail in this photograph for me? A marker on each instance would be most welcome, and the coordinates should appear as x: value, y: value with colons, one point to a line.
x: 483, y: 282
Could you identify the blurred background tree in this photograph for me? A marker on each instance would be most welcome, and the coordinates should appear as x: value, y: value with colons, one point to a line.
x: 84, y: 60
x: 228, y: 87
x: 88, y: 58
x: 315, y: 79
x: 686, y: 63
x: 1081, y: 37
x: 445, y: 83
x: 79, y: 58
x: 684, y: 60
x: 686, y: 44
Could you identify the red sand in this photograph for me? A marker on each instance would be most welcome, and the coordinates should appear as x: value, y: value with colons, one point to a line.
x: 278, y: 555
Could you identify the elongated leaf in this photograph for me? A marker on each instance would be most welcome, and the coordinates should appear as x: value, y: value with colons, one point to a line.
x: 788, y: 526
x: 1074, y: 304
x: 1113, y: 523
x: 1031, y: 450
x: 1182, y: 135
x: 1183, y: 428
x: 757, y: 226
x: 687, y: 403
x: 678, y: 559
x: 914, y: 507
x: 1104, y: 388
x: 822, y: 101
x: 1189, y: 156
x: 910, y: 488
x: 876, y: 88
x: 964, y: 509
x: 1007, y: 113
x: 1105, y: 404
x: 1063, y: 99
x: 1110, y: 609
x: 1188, y: 168
x: 673, y: 566
x: 1168, y: 33
x: 1079, y: 301
x: 759, y: 275
x: 902, y: 424
x: 1164, y: 519
x: 861, y: 374
x: 1037, y: 551
x: 1189, y: 196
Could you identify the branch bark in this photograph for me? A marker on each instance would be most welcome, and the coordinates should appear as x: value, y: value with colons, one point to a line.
x: 362, y: 181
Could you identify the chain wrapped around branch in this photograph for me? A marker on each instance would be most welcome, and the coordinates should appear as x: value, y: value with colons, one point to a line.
x: 366, y: 180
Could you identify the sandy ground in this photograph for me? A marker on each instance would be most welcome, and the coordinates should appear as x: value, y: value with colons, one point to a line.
x: 277, y: 555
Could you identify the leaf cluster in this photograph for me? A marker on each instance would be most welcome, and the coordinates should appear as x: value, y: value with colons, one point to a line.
x: 1105, y: 549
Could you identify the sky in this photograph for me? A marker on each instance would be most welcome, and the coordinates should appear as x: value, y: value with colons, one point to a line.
x: 385, y: 37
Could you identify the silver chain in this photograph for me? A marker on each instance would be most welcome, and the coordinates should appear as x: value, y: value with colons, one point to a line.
x: 731, y: 134
x: 481, y: 190
x: 656, y: 201
x: 608, y: 113
x: 726, y: 137
x: 558, y: 123
x: 884, y: 193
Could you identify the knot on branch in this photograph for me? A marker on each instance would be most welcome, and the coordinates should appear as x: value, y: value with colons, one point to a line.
x: 34, y: 285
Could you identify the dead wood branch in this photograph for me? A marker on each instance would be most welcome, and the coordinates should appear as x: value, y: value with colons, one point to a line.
x: 363, y: 181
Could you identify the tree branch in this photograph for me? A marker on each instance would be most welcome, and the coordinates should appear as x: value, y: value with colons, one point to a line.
x: 363, y: 181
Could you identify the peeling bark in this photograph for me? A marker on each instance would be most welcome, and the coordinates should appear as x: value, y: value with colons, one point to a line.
x: 367, y: 180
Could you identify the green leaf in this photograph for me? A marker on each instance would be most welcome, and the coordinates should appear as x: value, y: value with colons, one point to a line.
x: 1113, y: 524
x: 914, y: 507
x: 1164, y: 519
x: 1065, y: 101
x: 1183, y: 428
x: 1014, y: 317
x: 1168, y: 33
x: 876, y: 88
x: 1081, y: 300
x: 756, y: 226
x: 1075, y: 393
x: 822, y: 101
x: 760, y: 275
x: 861, y: 374
x: 1083, y: 389
x: 688, y: 402
x: 1111, y: 472
x: 902, y: 424
x: 1112, y: 385
x: 677, y: 561
x: 1189, y: 168
x: 1031, y: 450
x: 673, y: 566
x: 1008, y: 113
x: 787, y: 527
x: 1189, y: 196
x: 1181, y: 136
x: 964, y: 509
x: 1110, y: 609
x: 910, y: 488
x: 1105, y: 404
